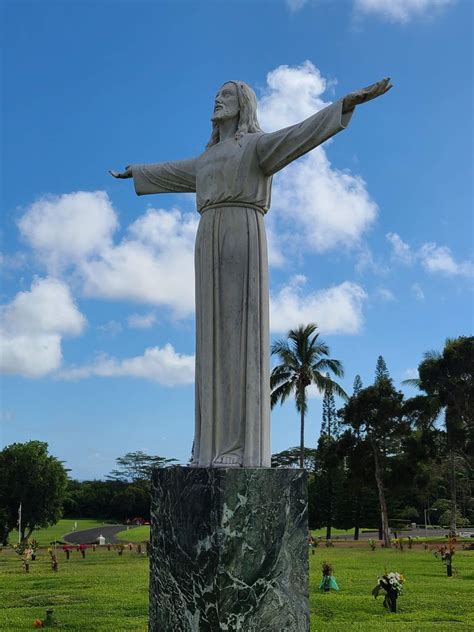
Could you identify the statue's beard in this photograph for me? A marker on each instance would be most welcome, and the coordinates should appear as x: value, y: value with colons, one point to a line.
x: 222, y: 114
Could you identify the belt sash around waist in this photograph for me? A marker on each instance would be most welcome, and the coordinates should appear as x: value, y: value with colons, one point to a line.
x: 228, y: 204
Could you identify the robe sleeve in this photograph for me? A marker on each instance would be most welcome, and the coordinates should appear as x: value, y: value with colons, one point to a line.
x: 165, y: 177
x: 277, y: 149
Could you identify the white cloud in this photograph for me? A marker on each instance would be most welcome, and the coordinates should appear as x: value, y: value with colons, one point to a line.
x: 111, y: 328
x: 154, y: 264
x: 438, y: 259
x: 163, y: 365
x: 329, y: 208
x: 385, y: 294
x: 295, y: 5
x: 365, y: 261
x: 337, y: 309
x: 69, y: 228
x: 435, y: 259
x: 401, y: 11
x: 141, y: 321
x: 33, y: 326
x: 418, y: 291
x: 317, y: 206
x: 401, y: 251
x: 292, y: 94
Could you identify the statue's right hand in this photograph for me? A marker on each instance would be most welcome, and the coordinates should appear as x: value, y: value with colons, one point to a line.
x: 122, y: 174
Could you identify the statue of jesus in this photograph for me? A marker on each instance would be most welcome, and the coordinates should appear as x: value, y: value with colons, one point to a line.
x: 232, y: 180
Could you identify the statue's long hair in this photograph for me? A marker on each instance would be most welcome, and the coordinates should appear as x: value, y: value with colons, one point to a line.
x: 248, y: 122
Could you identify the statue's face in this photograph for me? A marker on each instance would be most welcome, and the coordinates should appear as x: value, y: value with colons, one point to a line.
x: 226, y: 105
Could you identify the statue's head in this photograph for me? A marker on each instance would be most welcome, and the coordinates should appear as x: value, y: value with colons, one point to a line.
x: 235, y: 99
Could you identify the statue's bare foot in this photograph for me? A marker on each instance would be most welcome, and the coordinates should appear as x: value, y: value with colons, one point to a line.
x: 228, y: 460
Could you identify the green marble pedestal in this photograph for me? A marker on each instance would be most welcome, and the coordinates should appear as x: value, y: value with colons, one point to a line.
x: 229, y: 550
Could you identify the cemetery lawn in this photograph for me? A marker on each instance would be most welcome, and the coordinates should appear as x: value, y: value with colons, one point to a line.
x: 430, y: 601
x: 105, y: 592
x: 137, y: 534
x: 56, y: 532
x: 101, y: 593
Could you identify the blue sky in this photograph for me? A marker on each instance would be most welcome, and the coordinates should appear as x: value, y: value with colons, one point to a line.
x: 370, y: 236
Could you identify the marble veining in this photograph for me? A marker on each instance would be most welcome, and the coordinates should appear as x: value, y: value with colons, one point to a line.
x: 229, y: 550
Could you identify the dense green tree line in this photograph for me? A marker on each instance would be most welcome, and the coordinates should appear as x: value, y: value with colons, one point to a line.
x: 124, y: 496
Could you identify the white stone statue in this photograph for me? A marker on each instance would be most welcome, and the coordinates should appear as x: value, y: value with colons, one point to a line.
x: 232, y: 179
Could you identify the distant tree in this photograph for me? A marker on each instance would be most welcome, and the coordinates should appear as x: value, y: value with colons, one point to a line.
x: 357, y: 385
x: 36, y: 480
x: 303, y: 358
x: 381, y: 370
x: 291, y: 458
x: 329, y: 419
x: 360, y: 500
x: 375, y: 413
x: 137, y: 466
x: 326, y: 454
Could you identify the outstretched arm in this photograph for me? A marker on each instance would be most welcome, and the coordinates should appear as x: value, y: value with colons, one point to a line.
x: 161, y: 177
x: 366, y: 94
x: 278, y: 149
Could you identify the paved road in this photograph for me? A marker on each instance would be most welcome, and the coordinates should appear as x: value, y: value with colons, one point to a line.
x: 414, y: 533
x: 89, y: 536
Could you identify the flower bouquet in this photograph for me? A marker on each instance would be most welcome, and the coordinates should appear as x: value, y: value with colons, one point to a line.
x: 25, y: 551
x: 392, y: 584
x: 49, y: 622
x: 446, y: 553
x: 328, y: 581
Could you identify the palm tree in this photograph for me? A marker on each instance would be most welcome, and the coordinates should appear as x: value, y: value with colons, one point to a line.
x: 304, y: 360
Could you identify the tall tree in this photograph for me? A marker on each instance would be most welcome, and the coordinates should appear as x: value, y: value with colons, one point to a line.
x: 303, y: 359
x: 381, y: 370
x: 329, y: 419
x: 326, y: 450
x: 328, y: 482
x: 34, y: 479
x: 357, y: 385
x: 359, y: 508
x: 376, y: 414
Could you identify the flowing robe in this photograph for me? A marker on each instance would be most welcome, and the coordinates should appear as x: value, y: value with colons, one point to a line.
x: 232, y: 180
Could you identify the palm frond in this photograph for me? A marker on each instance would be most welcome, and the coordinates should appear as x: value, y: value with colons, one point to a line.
x: 281, y: 349
x: 415, y: 381
x: 279, y: 375
x: 281, y: 393
x: 329, y: 364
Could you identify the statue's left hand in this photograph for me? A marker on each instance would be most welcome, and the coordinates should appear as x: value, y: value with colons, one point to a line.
x: 366, y: 94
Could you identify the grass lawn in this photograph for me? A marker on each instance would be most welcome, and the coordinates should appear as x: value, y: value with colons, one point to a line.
x: 101, y: 593
x: 137, y: 534
x: 105, y: 592
x: 431, y: 601
x: 45, y: 536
